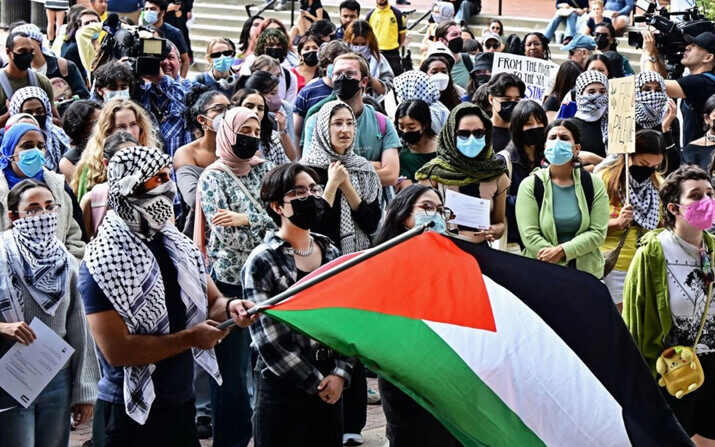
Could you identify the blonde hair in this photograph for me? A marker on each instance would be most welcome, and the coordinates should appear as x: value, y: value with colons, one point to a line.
x: 93, y: 153
x: 596, y: 3
x: 265, y: 62
x: 217, y: 40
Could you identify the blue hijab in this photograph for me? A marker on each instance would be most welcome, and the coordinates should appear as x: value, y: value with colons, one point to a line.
x: 9, y: 141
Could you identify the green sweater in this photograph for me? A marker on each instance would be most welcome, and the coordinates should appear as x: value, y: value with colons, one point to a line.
x: 646, y: 303
x: 538, y: 229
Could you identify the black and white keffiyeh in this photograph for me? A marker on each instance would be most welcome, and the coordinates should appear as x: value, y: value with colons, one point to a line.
x: 416, y: 84
x: 594, y: 107
x: 362, y: 176
x: 32, y: 255
x: 650, y: 105
x: 645, y: 201
x: 129, y: 275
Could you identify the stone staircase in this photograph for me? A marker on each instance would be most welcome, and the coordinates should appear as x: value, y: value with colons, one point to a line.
x: 216, y: 19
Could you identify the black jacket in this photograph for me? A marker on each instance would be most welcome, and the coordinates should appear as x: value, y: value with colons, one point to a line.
x: 73, y: 78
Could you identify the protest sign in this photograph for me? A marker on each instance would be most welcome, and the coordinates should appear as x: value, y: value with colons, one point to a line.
x: 621, y: 115
x: 538, y: 75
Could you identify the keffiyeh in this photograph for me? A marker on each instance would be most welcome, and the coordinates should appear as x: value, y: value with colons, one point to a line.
x: 129, y: 275
x: 446, y: 12
x: 645, y: 201
x: 650, y: 105
x: 34, y: 32
x: 415, y: 84
x: 363, y: 176
x: 56, y: 140
x: 593, y: 107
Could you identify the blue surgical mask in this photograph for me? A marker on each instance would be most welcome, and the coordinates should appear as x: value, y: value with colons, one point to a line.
x: 111, y: 94
x: 31, y: 161
x: 558, y: 152
x: 151, y: 17
x: 223, y: 64
x: 440, y: 225
x: 471, y: 147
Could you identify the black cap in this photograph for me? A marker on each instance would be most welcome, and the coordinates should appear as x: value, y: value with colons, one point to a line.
x: 484, y: 61
x: 704, y: 40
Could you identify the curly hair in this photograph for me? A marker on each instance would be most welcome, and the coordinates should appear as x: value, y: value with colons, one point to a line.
x: 672, y: 188
x: 544, y: 43
x: 271, y: 36
x: 91, y: 160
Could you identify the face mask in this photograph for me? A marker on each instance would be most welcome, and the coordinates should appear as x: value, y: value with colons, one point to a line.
x: 641, y: 173
x: 506, y: 108
x: 440, y: 225
x: 217, y: 121
x: 155, y: 207
x: 277, y: 53
x: 151, y: 17
x: 39, y: 228
x: 274, y: 103
x: 410, y: 137
x: 650, y: 106
x: 22, y: 61
x: 440, y: 80
x: 534, y: 137
x: 471, y: 147
x: 223, y: 64
x: 310, y: 58
x: 111, y: 94
x: 31, y: 161
x: 306, y: 213
x: 346, y: 88
x: 329, y: 71
x: 364, y: 50
x: 558, y: 152
x: 455, y: 45
x: 602, y: 42
x: 700, y: 214
x: 483, y: 78
x: 245, y: 147
x: 594, y: 105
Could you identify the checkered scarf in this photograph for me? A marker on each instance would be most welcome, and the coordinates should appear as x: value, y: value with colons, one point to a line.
x: 129, y: 275
x: 416, y: 84
x: 650, y: 105
x: 56, y: 139
x: 34, y: 32
x: 32, y: 255
x: 594, y: 107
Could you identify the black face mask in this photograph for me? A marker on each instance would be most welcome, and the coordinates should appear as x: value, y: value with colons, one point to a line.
x: 306, y: 213
x: 410, y: 137
x: 641, y: 173
x: 534, y: 136
x: 506, y: 108
x: 22, y: 60
x: 455, y: 45
x: 310, y: 58
x: 482, y: 79
x: 346, y: 88
x: 278, y: 53
x: 245, y: 147
x: 602, y: 42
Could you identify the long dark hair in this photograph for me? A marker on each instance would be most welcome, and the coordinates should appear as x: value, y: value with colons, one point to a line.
x: 606, y: 61
x: 519, y: 117
x: 266, y: 123
x: 448, y: 96
x: 419, y: 111
x: 565, y: 79
x: 398, y: 210
x: 246, y: 33
x: 612, y: 32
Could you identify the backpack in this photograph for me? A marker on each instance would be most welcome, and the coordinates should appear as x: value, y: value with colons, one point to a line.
x: 467, y: 60
x: 381, y: 123
x: 586, y: 184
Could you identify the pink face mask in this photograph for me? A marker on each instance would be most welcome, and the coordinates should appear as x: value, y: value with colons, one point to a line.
x: 700, y: 214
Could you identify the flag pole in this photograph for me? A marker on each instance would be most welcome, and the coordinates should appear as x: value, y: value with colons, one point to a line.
x: 367, y: 254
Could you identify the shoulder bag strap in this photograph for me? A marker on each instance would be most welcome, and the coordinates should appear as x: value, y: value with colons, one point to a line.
x: 243, y: 187
x: 705, y: 309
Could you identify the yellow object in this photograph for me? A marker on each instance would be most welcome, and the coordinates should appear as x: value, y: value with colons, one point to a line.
x: 680, y: 371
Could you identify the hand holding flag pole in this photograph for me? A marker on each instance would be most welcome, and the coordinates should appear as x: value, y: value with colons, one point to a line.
x: 297, y: 288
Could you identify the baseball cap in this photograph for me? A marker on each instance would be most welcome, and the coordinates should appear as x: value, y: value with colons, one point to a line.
x: 440, y: 49
x: 484, y: 61
x: 703, y: 40
x: 489, y: 35
x: 580, y: 41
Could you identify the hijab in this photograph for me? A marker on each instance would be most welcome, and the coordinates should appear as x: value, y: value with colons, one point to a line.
x: 451, y: 167
x: 650, y: 105
x: 226, y: 138
x: 9, y: 141
x: 446, y: 12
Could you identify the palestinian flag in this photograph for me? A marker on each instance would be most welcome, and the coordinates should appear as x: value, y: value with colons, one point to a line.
x: 502, y: 350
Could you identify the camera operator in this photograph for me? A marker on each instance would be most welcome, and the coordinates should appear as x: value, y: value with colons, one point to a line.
x: 154, y: 11
x: 696, y: 88
x: 172, y: 67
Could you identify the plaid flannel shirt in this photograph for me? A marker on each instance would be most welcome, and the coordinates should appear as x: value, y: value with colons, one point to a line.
x: 167, y: 100
x: 269, y: 270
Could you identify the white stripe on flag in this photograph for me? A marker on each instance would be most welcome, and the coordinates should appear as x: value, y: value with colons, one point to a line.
x: 537, y: 375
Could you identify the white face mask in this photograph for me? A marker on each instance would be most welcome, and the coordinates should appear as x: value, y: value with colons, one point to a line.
x: 440, y: 80
x: 111, y: 94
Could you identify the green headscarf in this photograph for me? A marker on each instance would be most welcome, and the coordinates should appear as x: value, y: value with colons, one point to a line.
x: 450, y: 167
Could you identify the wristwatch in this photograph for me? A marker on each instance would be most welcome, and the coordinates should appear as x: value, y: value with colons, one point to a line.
x: 283, y: 132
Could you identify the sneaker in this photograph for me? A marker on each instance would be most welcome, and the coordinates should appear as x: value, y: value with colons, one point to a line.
x: 204, y: 429
x: 373, y: 397
x: 352, y: 439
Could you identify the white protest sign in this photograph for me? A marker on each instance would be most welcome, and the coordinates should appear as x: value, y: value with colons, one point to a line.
x: 622, y: 115
x: 538, y: 75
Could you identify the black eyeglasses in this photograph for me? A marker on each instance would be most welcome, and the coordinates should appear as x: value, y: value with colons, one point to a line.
x: 431, y: 209
x: 464, y: 134
x: 218, y: 108
x: 302, y: 193
x: 491, y: 46
x: 230, y: 53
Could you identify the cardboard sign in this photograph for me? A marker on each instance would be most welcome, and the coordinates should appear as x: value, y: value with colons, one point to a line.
x: 538, y: 75
x: 622, y: 115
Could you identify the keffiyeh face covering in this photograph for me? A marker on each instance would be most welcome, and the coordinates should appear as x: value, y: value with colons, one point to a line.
x: 650, y: 105
x: 154, y: 208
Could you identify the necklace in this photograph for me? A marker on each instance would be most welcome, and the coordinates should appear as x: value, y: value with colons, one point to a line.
x: 711, y: 137
x: 307, y: 252
x: 703, y: 254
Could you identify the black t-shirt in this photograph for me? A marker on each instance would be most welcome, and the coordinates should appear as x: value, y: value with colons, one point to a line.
x: 591, y: 136
x: 500, y: 138
x: 174, y: 35
x: 313, y: 9
x: 552, y: 104
x: 697, y: 88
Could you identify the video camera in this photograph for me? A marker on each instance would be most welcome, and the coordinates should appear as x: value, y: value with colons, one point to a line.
x: 670, y: 38
x: 138, y: 44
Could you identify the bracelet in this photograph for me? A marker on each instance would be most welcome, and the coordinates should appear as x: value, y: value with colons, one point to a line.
x: 329, y: 195
x: 283, y: 132
x: 228, y: 303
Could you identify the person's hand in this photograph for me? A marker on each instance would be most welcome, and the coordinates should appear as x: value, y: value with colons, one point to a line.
x: 226, y: 218
x: 206, y: 335
x: 173, y: 7
x: 155, y: 79
x: 331, y: 388
x: 649, y: 48
x: 625, y: 217
x: 337, y: 173
x: 20, y: 332
x: 238, y: 310
x: 671, y: 112
x: 614, y: 16
x: 81, y: 413
x: 280, y: 118
x: 551, y: 254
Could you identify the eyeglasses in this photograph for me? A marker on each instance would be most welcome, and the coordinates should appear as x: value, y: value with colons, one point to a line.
x: 302, y: 193
x: 218, y: 108
x: 491, y: 46
x: 431, y: 209
x: 346, y: 74
x: 464, y: 134
x: 50, y: 209
x: 229, y: 53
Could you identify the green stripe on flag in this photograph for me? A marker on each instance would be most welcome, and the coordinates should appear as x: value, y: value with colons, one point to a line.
x: 412, y: 356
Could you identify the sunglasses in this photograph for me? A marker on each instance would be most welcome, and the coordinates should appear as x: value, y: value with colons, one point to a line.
x: 492, y: 46
x: 464, y: 134
x: 229, y: 53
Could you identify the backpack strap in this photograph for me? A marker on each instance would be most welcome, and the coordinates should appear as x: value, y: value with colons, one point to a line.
x: 710, y: 76
x: 32, y: 78
x: 587, y: 185
x: 286, y: 74
x: 538, y: 191
x: 381, y: 123
x: 467, y: 60
x: 507, y: 159
x: 63, y: 66
x: 5, y: 84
